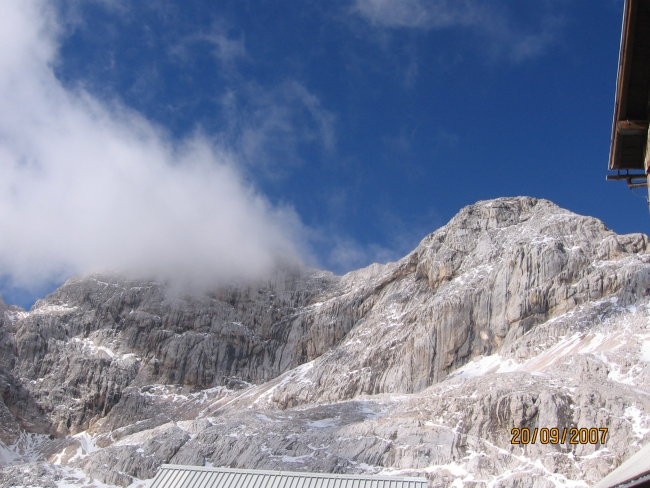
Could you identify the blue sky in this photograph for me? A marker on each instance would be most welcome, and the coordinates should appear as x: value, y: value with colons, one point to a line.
x: 360, y: 125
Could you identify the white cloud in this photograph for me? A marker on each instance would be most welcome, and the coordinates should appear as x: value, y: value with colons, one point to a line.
x: 88, y: 185
x: 226, y: 47
x: 269, y: 126
x: 416, y: 13
x: 348, y: 254
x: 503, y: 34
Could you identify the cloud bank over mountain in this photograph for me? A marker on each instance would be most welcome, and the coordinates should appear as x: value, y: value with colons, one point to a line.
x: 89, y: 184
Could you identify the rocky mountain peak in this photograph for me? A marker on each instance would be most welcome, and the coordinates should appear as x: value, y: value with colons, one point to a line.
x: 488, y: 231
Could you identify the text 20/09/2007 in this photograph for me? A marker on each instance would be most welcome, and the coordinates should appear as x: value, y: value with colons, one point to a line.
x: 555, y: 435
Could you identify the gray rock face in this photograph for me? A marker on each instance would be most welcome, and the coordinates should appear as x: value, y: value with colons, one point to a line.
x: 19, y: 412
x: 516, y: 314
x: 475, y: 286
x: 94, y: 337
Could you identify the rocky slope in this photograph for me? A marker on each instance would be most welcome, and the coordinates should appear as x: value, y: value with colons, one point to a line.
x: 516, y: 314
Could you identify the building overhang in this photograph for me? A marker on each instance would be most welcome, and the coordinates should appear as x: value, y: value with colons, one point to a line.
x: 628, y: 149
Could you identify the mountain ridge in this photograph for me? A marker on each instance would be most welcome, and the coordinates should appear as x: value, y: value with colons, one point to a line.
x: 108, y: 366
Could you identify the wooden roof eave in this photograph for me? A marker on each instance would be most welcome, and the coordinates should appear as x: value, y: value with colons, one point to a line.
x: 632, y: 101
x: 621, y: 78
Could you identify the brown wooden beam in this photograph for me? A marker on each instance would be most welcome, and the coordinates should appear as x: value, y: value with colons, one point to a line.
x: 629, y: 127
x: 637, y: 185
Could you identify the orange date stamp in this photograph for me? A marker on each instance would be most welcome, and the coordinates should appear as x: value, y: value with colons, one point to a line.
x: 555, y: 435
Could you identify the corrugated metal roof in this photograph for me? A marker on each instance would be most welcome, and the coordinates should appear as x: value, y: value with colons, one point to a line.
x: 177, y: 476
x: 635, y: 471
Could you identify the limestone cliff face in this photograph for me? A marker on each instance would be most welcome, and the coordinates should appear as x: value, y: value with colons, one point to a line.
x: 95, y: 336
x: 516, y: 313
x: 473, y: 287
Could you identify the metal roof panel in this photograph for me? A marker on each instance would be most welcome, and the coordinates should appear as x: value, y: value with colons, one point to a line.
x: 178, y: 476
